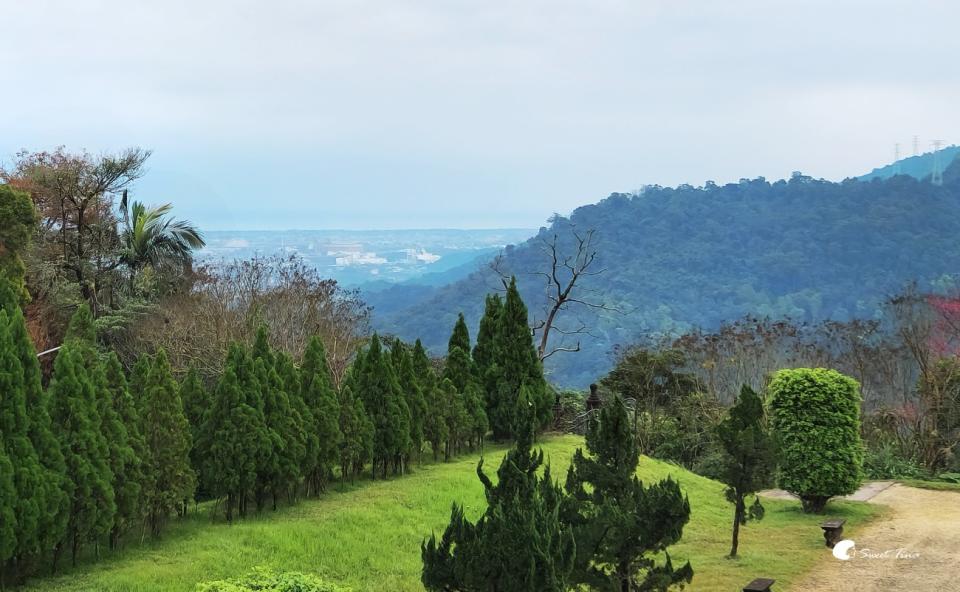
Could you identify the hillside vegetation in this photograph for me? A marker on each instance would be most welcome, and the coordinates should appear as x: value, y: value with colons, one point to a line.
x: 694, y: 257
x: 369, y: 538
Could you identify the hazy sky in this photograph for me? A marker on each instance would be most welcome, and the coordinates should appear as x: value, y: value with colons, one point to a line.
x: 351, y: 114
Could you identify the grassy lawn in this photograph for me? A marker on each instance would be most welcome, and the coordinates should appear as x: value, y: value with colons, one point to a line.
x: 934, y: 485
x: 368, y: 537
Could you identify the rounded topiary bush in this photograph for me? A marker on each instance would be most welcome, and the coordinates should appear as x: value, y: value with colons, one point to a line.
x: 816, y: 417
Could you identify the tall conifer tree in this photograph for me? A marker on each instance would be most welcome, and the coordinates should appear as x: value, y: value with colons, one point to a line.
x: 28, y: 475
x: 320, y: 397
x: 356, y: 446
x: 51, y: 495
x: 517, y: 367
x: 169, y: 477
x: 380, y: 391
x: 231, y: 437
x: 120, y: 424
x: 86, y: 454
x: 412, y: 391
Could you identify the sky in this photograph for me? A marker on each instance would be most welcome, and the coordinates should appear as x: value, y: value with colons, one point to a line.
x: 461, y: 114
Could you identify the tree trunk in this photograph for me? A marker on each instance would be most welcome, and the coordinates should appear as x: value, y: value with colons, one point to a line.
x: 737, y: 518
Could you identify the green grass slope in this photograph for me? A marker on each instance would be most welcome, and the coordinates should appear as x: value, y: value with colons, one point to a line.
x: 368, y: 537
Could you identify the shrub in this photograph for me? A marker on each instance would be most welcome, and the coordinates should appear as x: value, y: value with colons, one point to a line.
x: 816, y: 416
x: 884, y: 461
x: 267, y: 580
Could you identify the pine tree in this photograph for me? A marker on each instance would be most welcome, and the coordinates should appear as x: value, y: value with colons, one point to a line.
x: 517, y: 366
x: 17, y: 225
x: 460, y: 336
x: 412, y: 391
x: 76, y: 424
x: 308, y: 442
x: 479, y: 425
x: 138, y: 378
x: 459, y: 368
x: 230, y: 438
x: 378, y: 387
x: 320, y: 397
x: 282, y: 473
x: 616, y: 520
x: 28, y: 475
x: 51, y: 494
x: 454, y: 412
x: 356, y: 446
x: 196, y: 403
x: 520, y: 543
x: 169, y: 476
x: 485, y: 354
x: 120, y: 424
x: 8, y: 516
x: 749, y: 462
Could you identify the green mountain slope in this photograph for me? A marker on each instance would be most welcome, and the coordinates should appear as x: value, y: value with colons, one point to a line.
x: 684, y: 257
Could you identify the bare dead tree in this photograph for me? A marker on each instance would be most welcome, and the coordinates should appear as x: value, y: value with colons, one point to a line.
x: 563, y: 284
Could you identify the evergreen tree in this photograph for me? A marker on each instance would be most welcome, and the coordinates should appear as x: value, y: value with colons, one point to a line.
x: 435, y: 429
x: 320, y: 397
x: 196, y: 403
x: 380, y: 392
x: 356, y: 445
x: 454, y: 413
x: 517, y: 366
x: 459, y: 368
x: 231, y: 437
x: 308, y: 442
x: 422, y: 368
x: 479, y: 425
x: 27, y: 472
x: 8, y: 516
x: 617, y: 522
x: 169, y: 476
x: 519, y: 543
x: 485, y: 354
x: 460, y: 336
x: 120, y: 424
x: 17, y: 223
x: 51, y: 494
x: 749, y: 461
x: 76, y: 424
x: 281, y: 472
x: 412, y: 391
x: 138, y: 377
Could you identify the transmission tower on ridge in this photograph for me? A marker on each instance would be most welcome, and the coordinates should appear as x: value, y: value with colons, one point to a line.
x: 937, y: 176
x: 916, y: 145
x: 896, y: 158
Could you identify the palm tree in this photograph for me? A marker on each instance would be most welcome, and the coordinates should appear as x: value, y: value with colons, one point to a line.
x: 152, y: 237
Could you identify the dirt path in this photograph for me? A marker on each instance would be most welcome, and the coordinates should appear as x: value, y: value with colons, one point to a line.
x: 916, y: 547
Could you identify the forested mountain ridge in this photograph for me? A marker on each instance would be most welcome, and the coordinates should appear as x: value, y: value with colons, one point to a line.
x: 686, y: 257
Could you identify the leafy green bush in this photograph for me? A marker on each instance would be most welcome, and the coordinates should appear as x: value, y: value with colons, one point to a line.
x: 816, y: 417
x: 268, y: 580
x: 884, y: 461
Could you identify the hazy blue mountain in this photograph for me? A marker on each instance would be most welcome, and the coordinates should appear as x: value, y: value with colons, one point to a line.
x: 685, y: 257
x: 919, y: 167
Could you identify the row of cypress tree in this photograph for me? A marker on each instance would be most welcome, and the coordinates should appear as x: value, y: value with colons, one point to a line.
x: 84, y: 461
x: 94, y: 456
